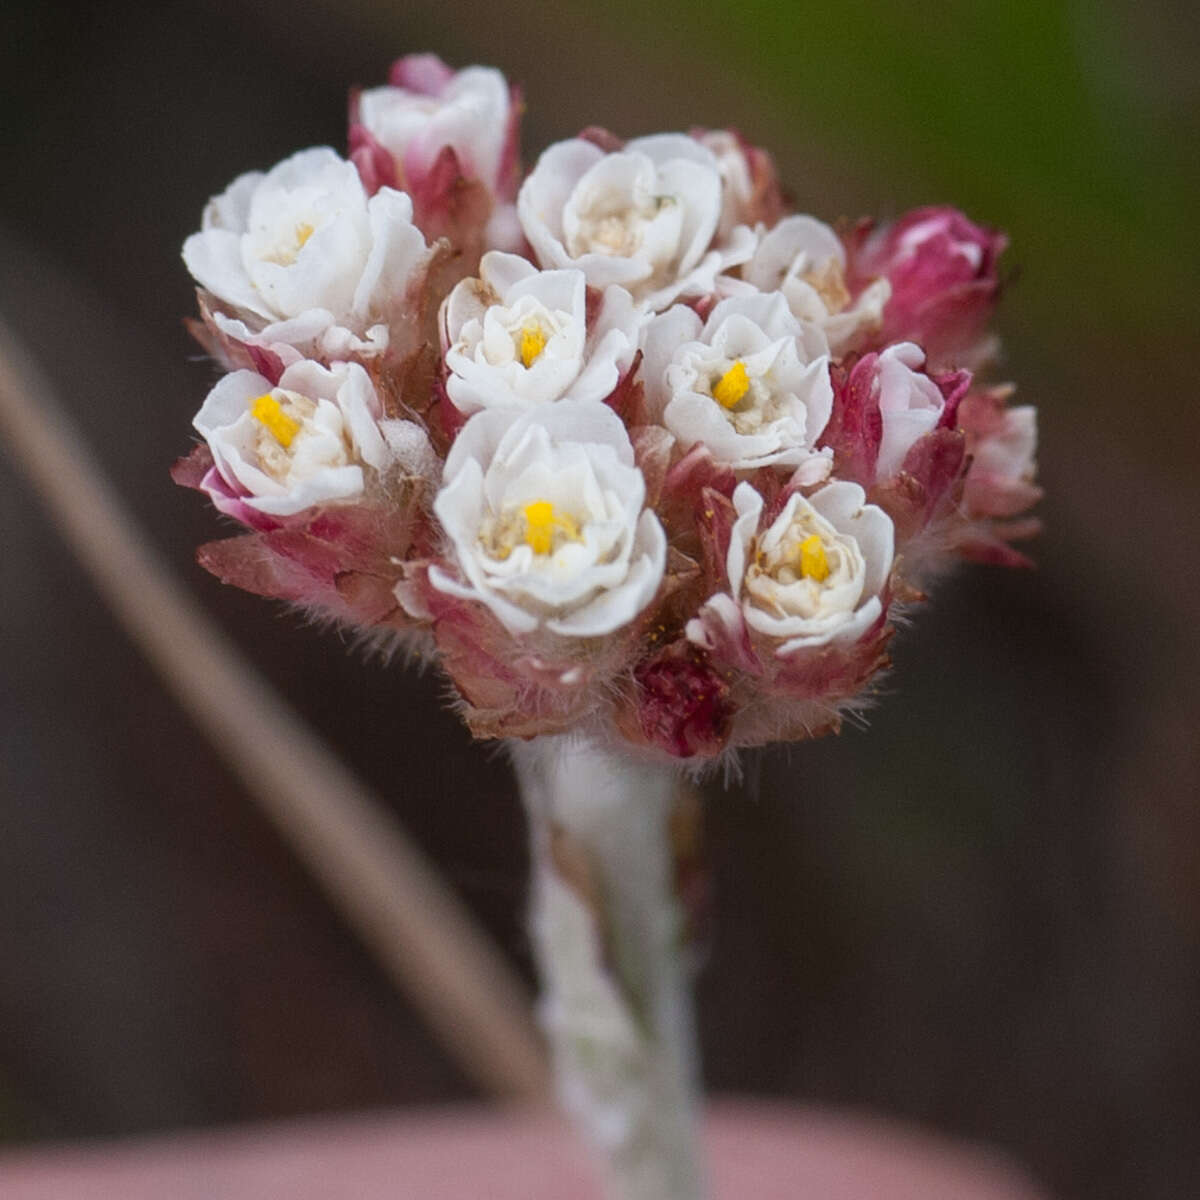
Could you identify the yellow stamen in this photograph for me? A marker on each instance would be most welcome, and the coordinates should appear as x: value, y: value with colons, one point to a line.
x: 814, y: 563
x: 268, y: 412
x: 541, y: 521
x: 732, y: 386
x: 533, y: 342
x: 303, y: 232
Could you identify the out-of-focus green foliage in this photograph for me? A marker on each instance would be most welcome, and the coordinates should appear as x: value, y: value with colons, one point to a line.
x: 1051, y: 118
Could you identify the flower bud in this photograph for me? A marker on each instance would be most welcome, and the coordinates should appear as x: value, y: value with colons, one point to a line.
x: 942, y: 271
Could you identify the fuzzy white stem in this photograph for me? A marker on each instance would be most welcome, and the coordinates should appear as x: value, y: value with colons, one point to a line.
x: 608, y: 932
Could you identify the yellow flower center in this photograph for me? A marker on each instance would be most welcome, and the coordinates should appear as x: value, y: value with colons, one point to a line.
x: 542, y: 522
x: 730, y: 389
x: 268, y: 412
x: 303, y: 232
x: 814, y: 563
x: 533, y: 342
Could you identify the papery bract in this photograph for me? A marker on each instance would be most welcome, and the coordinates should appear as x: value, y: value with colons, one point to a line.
x: 339, y: 562
x: 508, y: 686
x: 683, y: 706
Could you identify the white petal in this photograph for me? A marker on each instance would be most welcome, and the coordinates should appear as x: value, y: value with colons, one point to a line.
x: 619, y: 605
x: 214, y: 260
x: 843, y: 505
x: 795, y: 237
x: 228, y: 400
x: 661, y: 338
x: 231, y: 209
x: 850, y: 629
x: 748, y: 505
x: 397, y: 250
x: 332, y: 483
x: 505, y: 271
x: 910, y: 405
x: 545, y: 193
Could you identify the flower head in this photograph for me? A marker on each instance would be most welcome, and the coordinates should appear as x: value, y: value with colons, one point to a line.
x: 751, y: 383
x: 1002, y: 442
x: 517, y: 336
x: 645, y: 216
x: 811, y: 576
x: 628, y: 444
x: 299, y: 257
x: 750, y: 187
x: 428, y: 108
x: 886, y: 407
x: 545, y: 519
x: 306, y: 441
x: 910, y: 404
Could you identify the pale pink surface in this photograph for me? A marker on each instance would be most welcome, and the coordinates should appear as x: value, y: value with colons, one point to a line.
x: 759, y: 1151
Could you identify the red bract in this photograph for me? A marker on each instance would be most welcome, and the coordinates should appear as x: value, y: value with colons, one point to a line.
x: 856, y: 427
x: 683, y: 705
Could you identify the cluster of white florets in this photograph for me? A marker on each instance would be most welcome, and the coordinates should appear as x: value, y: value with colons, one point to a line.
x: 631, y: 443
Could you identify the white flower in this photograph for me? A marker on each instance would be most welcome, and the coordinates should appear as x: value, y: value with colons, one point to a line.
x: 814, y: 575
x: 644, y: 217
x: 805, y: 260
x: 517, y: 337
x: 305, y: 258
x: 303, y: 442
x: 467, y: 110
x: 910, y: 403
x: 752, y: 383
x: 544, y: 513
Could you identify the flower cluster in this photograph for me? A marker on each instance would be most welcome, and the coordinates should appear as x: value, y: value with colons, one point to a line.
x: 624, y: 440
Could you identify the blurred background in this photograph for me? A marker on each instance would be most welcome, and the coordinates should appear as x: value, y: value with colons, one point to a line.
x: 981, y: 914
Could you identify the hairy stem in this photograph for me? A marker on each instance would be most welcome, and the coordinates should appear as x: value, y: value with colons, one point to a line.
x: 608, y: 932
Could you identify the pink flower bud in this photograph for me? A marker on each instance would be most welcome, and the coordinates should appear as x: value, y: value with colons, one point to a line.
x: 449, y: 139
x: 886, y: 407
x: 942, y: 270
